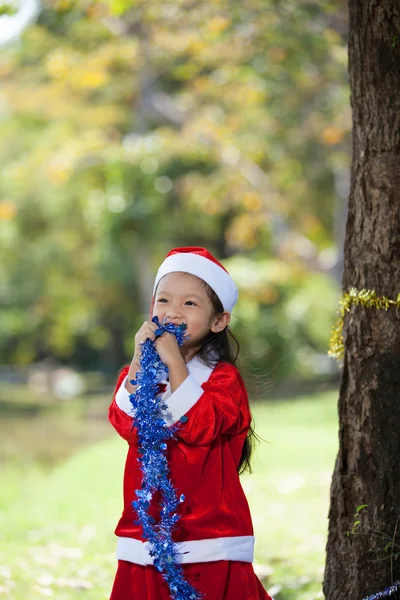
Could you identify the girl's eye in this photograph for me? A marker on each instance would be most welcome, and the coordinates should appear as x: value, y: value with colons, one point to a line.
x: 161, y: 300
x: 190, y: 303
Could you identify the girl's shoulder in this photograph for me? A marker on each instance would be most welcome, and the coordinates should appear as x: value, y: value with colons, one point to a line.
x: 228, y: 372
x: 226, y: 367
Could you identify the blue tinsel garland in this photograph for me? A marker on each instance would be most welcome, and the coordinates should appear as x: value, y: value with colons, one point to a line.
x: 386, y: 592
x: 153, y: 434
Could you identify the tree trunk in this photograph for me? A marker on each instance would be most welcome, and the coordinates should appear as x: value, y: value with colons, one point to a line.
x: 367, y: 469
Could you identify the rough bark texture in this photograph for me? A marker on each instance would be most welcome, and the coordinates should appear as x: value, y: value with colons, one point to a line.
x: 367, y: 469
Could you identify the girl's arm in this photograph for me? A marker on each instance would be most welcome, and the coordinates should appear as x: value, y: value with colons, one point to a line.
x: 217, y: 407
x: 120, y: 412
x: 119, y: 409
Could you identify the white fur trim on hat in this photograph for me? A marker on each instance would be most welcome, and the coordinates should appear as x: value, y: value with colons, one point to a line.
x: 216, y: 277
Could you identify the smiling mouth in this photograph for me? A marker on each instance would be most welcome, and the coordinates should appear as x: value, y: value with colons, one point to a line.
x: 175, y: 323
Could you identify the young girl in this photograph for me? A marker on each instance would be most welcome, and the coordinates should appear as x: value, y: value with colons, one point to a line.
x: 206, y: 397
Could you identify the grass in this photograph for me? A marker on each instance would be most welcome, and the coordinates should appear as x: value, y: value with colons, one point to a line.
x: 289, y: 492
x: 57, y: 526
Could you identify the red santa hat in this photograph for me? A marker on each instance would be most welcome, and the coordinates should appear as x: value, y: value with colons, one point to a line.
x: 201, y: 263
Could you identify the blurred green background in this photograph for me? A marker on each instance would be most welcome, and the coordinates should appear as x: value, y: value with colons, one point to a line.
x: 128, y: 128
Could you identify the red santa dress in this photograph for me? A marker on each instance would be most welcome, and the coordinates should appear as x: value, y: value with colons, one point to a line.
x: 214, y: 535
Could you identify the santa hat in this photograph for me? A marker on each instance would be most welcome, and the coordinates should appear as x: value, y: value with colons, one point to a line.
x: 200, y: 262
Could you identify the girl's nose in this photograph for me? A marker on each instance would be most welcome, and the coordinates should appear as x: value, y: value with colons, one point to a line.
x: 173, y: 312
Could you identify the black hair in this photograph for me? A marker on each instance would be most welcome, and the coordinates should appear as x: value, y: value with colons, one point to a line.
x: 224, y: 346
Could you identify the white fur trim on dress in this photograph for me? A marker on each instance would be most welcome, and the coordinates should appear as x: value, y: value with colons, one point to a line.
x: 209, y: 550
x: 218, y: 279
x: 187, y: 394
x: 181, y: 400
x: 122, y: 398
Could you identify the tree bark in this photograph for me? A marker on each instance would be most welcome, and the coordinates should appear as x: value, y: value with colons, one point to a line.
x: 367, y: 469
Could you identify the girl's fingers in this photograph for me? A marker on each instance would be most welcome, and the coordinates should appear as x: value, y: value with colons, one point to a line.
x: 146, y: 335
x: 146, y: 332
x: 146, y: 328
x: 150, y: 330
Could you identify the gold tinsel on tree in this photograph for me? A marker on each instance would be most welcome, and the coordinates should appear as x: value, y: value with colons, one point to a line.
x: 354, y: 297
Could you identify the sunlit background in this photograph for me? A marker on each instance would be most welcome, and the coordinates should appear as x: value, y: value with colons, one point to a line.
x: 129, y: 127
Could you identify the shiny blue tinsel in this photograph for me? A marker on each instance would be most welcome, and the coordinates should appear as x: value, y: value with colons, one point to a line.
x: 386, y: 592
x: 153, y: 435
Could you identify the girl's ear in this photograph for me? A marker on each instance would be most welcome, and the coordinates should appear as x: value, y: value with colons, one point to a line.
x: 220, y: 322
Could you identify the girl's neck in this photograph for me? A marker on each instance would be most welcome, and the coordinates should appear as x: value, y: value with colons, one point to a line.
x: 188, y: 354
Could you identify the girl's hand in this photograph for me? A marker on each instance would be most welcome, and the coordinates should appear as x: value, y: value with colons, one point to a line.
x: 147, y: 331
x: 168, y: 349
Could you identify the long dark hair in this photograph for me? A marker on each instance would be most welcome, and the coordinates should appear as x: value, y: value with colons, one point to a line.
x: 225, y: 347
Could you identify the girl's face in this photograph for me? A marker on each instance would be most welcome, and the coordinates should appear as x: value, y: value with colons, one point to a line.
x: 182, y: 298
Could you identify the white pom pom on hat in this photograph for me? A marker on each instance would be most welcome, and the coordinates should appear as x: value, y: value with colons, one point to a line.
x: 201, y: 263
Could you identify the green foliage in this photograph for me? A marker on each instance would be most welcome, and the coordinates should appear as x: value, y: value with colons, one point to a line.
x: 383, y: 546
x: 7, y: 8
x: 357, y: 523
x: 281, y: 307
x: 128, y: 128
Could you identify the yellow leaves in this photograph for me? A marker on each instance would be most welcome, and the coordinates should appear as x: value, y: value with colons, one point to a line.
x: 170, y: 41
x: 18, y: 101
x: 310, y: 223
x: 67, y: 65
x: 196, y: 45
x: 261, y: 278
x: 268, y: 295
x: 332, y: 135
x: 339, y: 54
x: 248, y: 307
x: 90, y: 71
x: 103, y: 116
x: 193, y: 42
x: 60, y: 62
x: 5, y: 68
x: 119, y: 7
x: 63, y: 5
x: 210, y: 206
x: 276, y: 54
x: 218, y: 24
x: 96, y: 10
x: 332, y: 36
x: 252, y: 95
x: 252, y: 201
x: 63, y: 163
x: 203, y: 194
x: 61, y: 106
x: 242, y: 232
x: 201, y: 85
x: 186, y: 71
x: 89, y: 79
x: 8, y: 210
x: 58, y: 172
